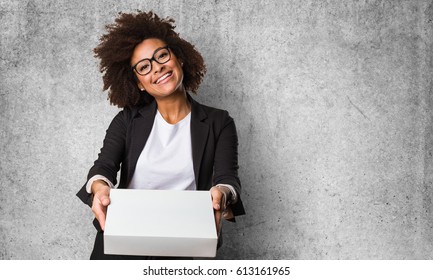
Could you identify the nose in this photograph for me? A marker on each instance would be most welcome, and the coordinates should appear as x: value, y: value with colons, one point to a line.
x: 156, y: 67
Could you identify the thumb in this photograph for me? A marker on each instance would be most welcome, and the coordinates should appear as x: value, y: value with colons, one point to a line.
x: 216, y: 198
x: 105, y: 199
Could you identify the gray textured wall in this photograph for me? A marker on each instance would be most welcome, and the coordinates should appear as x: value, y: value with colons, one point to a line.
x: 332, y: 100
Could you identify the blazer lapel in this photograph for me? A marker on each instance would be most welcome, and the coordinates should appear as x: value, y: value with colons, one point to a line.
x: 199, y: 136
x: 141, y: 127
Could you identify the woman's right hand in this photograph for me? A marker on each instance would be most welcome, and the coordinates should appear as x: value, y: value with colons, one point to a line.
x: 101, y: 199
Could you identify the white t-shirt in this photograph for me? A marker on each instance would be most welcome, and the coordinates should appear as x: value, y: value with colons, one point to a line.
x: 166, y: 160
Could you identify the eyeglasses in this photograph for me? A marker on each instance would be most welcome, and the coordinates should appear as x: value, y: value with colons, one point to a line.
x: 144, y: 66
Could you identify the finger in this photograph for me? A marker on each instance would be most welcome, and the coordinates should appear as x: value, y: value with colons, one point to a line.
x: 99, y: 208
x: 100, y: 216
x: 216, y: 198
x: 105, y: 200
x: 101, y: 220
x: 217, y: 220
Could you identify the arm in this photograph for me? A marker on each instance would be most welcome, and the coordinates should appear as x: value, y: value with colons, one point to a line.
x: 110, y: 156
x: 226, y: 168
x: 113, y: 149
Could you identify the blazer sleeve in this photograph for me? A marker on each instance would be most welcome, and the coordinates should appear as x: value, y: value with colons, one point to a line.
x: 111, y: 154
x: 226, y: 160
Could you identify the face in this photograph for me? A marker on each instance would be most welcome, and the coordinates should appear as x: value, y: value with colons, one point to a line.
x: 164, y: 79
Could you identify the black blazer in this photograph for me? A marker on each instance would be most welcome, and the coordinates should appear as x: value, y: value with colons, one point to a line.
x: 214, y: 149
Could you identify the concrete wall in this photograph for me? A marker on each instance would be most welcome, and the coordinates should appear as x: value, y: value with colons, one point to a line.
x: 332, y: 100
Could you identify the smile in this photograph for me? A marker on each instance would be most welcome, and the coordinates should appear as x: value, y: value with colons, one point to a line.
x: 164, y: 77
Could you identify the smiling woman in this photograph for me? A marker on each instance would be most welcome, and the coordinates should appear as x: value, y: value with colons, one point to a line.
x: 163, y: 138
x: 121, y: 43
x: 163, y: 80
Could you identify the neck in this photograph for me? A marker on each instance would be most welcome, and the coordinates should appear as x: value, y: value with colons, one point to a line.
x: 175, y: 107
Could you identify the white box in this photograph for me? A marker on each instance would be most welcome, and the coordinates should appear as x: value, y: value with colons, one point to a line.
x: 160, y: 223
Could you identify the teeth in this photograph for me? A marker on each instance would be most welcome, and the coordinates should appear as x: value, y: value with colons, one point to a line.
x: 163, y: 77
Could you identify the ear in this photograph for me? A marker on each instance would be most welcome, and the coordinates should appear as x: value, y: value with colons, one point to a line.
x: 140, y: 86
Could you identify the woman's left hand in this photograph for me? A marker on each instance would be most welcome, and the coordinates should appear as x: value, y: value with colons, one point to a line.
x: 219, y: 205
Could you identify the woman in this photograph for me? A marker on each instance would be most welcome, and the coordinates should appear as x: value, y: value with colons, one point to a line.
x: 162, y: 139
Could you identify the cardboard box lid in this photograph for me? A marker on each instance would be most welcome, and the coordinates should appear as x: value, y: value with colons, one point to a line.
x: 160, y: 213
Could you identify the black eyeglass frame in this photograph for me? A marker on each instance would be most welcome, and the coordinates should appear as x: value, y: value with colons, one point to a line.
x: 167, y: 47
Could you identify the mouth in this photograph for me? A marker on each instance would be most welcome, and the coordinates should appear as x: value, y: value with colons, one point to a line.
x: 164, y: 77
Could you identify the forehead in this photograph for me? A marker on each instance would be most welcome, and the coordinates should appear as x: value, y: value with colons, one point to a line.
x: 146, y: 49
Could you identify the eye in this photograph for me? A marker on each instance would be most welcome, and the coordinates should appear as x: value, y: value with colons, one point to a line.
x: 163, y: 55
x: 143, y: 67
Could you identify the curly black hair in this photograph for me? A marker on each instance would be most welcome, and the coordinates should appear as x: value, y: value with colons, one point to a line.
x: 117, y: 45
